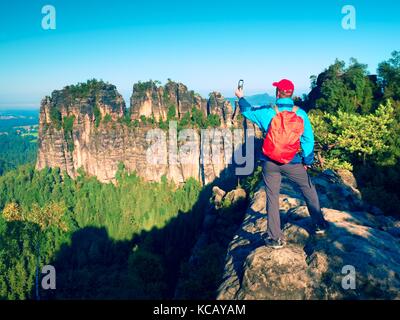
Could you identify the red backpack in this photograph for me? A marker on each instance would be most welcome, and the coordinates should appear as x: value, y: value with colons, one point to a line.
x: 282, y: 141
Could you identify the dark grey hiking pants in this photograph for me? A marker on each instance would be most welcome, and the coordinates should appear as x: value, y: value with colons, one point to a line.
x: 298, y: 174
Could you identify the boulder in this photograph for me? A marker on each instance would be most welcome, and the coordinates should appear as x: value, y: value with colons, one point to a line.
x: 310, y: 266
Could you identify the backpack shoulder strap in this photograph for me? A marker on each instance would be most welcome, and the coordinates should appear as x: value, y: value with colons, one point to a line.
x: 276, y: 108
x: 295, y: 108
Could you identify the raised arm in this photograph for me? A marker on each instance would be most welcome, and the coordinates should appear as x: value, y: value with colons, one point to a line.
x: 256, y: 115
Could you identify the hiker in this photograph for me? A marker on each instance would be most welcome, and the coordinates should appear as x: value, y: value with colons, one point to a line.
x: 288, y: 149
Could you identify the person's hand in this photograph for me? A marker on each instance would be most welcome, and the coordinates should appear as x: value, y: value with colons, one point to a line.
x: 306, y: 167
x: 239, y: 93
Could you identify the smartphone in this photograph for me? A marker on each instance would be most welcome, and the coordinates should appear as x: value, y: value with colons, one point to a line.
x: 240, y: 84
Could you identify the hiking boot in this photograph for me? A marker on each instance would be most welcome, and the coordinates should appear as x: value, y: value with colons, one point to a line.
x: 274, y: 244
x: 320, y: 229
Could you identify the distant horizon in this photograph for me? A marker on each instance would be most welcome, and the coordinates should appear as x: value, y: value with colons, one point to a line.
x: 21, y: 107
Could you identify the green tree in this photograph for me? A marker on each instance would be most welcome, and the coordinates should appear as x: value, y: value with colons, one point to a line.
x: 171, y: 113
x: 143, y: 119
x: 389, y: 73
x: 56, y: 118
x: 107, y: 118
x: 185, y: 121
x: 345, y: 135
x: 16, y: 150
x: 213, y: 120
x: 198, y: 118
x: 97, y: 115
x: 68, y: 123
x: 349, y: 89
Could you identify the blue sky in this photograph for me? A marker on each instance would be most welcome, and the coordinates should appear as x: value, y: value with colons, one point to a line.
x: 207, y: 45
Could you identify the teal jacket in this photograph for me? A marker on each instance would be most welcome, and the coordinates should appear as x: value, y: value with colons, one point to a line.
x: 262, y: 117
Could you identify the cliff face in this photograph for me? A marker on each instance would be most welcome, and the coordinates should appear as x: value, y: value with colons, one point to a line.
x: 359, y: 239
x: 82, y: 145
x: 88, y: 126
x: 221, y: 108
x: 148, y: 99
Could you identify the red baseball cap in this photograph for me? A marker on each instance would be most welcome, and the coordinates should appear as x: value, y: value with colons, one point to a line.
x: 284, y: 85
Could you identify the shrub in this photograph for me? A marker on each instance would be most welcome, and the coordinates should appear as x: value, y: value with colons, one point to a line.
x: 171, y: 113
x: 344, y: 136
x: 126, y: 119
x: 68, y: 123
x: 97, y: 116
x: 198, y: 118
x: 213, y: 120
x: 85, y: 89
x: 55, y: 116
x: 107, y: 118
x: 163, y: 125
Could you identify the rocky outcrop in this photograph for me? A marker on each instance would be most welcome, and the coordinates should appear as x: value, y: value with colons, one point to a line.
x: 222, y: 108
x: 82, y: 144
x: 87, y: 126
x: 149, y: 99
x: 315, y: 267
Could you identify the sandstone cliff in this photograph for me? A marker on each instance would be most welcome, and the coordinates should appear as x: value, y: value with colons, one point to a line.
x: 88, y: 126
x: 315, y: 267
x: 149, y: 99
